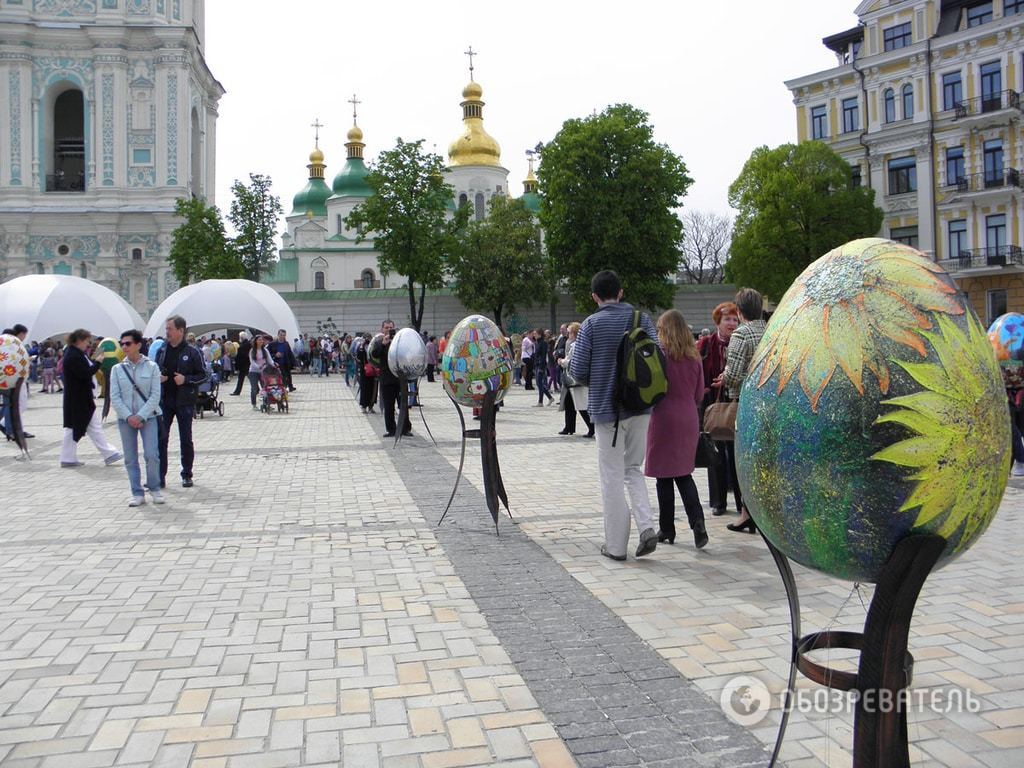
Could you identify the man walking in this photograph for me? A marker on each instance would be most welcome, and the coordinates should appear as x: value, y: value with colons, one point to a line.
x: 619, y: 466
x: 283, y: 356
x: 135, y: 397
x: 241, y: 361
x: 390, y: 385
x: 527, y: 357
x: 181, y: 371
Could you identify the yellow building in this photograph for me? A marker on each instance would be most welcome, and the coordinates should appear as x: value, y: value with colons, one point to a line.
x: 924, y: 103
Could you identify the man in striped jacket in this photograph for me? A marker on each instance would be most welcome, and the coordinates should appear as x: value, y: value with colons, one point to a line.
x: 620, y: 466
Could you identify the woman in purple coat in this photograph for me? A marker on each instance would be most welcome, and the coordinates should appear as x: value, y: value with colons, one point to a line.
x: 674, y: 429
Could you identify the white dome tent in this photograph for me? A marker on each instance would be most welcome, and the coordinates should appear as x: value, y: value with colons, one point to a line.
x: 54, y: 305
x: 214, y: 304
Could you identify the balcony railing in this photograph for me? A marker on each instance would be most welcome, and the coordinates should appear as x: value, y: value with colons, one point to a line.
x: 996, y: 256
x: 978, y: 182
x: 59, y: 182
x: 991, y: 103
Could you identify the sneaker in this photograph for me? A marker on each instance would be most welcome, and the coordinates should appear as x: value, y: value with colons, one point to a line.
x: 158, y: 498
x: 137, y: 501
x: 648, y: 542
x: 610, y: 556
x: 1018, y: 469
x: 72, y: 464
x: 186, y: 482
x: 113, y: 458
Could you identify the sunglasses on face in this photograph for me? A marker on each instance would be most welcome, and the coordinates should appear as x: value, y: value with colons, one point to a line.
x: 127, y: 343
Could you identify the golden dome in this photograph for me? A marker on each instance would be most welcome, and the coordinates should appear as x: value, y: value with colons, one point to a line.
x: 355, y: 133
x: 475, y: 146
x: 316, y: 156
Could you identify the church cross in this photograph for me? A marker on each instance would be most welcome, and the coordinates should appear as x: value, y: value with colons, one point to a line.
x: 471, y: 53
x: 355, y: 104
x: 317, y: 125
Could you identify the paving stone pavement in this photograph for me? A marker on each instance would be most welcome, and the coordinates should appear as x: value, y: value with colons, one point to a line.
x: 299, y: 606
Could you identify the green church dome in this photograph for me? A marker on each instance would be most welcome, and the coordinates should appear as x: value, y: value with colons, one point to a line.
x: 312, y: 198
x: 351, y: 179
x: 532, y: 202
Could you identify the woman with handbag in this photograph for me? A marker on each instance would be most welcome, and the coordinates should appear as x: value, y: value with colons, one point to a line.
x: 571, y: 389
x: 713, y: 350
x: 674, y: 430
x: 741, y: 351
x: 367, y: 373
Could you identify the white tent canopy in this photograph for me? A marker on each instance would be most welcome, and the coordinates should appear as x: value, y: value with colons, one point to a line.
x: 215, y: 304
x: 54, y: 305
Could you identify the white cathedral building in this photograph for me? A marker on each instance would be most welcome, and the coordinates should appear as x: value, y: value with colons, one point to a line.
x: 320, y: 256
x: 108, y: 114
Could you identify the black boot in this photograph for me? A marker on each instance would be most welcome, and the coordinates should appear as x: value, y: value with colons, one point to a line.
x: 700, y: 535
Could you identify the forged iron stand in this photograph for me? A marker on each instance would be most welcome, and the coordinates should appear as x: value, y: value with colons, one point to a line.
x: 885, y: 668
x: 409, y: 397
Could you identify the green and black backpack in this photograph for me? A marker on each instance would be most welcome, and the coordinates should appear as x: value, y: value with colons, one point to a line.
x: 640, y: 380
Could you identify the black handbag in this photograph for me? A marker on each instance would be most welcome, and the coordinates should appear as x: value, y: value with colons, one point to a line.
x: 707, y: 452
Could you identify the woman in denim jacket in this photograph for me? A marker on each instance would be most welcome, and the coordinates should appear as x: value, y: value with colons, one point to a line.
x: 135, y: 397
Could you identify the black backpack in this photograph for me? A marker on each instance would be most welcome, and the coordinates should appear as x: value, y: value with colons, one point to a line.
x: 640, y: 380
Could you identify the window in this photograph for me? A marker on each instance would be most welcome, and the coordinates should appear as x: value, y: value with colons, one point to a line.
x: 897, y: 37
x: 889, y: 100
x: 318, y: 281
x: 367, y: 278
x: 994, y: 163
x: 905, y: 235
x: 851, y: 115
x: 479, y: 209
x: 819, y: 122
x: 463, y: 199
x: 142, y: 157
x: 1013, y: 7
x: 902, y: 175
x: 855, y: 177
x: 957, y: 238
x: 136, y: 254
x: 907, y: 94
x: 952, y: 90
x: 955, y: 166
x: 991, y: 86
x: 979, y: 14
x: 996, y: 304
x: 68, y: 144
x: 995, y: 234
x: 340, y: 226
x: 83, y: 270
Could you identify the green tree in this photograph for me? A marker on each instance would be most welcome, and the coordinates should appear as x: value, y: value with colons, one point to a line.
x: 499, y: 263
x: 199, y: 248
x: 254, y: 215
x: 795, y: 203
x: 407, y: 219
x: 609, y: 198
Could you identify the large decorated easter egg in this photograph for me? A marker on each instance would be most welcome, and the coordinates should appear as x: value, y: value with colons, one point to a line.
x: 476, y: 361
x: 873, y: 409
x: 375, y: 351
x: 14, y: 362
x: 407, y: 354
x: 1007, y: 337
x: 110, y: 353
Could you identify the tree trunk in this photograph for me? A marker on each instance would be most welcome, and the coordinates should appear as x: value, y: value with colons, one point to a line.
x: 411, y: 287
x: 554, y: 311
x: 497, y: 318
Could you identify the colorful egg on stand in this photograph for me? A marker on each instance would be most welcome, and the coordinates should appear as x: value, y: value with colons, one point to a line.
x: 1007, y: 337
x: 476, y: 361
x: 14, y: 362
x: 873, y: 409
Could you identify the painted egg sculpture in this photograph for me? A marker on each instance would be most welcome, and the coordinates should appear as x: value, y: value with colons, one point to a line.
x: 215, y: 350
x: 111, y: 354
x: 1007, y: 337
x: 407, y: 354
x: 476, y: 361
x: 14, y: 362
x: 155, y: 347
x: 375, y: 351
x: 873, y: 409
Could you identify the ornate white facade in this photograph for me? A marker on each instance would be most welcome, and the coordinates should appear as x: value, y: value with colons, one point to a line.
x: 107, y: 115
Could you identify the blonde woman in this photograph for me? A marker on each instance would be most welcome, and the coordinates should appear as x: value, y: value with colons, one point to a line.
x: 675, y: 428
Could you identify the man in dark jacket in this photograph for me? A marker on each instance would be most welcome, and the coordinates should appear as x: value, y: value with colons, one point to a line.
x: 283, y: 356
x: 390, y: 385
x: 80, y: 417
x: 242, y: 361
x: 181, y: 372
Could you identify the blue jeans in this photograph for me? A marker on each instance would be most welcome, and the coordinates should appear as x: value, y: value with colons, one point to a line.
x: 150, y: 432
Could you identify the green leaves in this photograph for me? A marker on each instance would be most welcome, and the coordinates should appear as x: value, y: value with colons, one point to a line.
x: 795, y: 203
x: 199, y: 248
x: 254, y: 214
x: 609, y: 194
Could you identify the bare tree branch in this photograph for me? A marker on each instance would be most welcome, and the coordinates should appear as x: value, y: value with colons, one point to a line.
x: 705, y: 246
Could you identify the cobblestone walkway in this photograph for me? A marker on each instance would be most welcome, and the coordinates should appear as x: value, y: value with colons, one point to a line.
x: 299, y: 606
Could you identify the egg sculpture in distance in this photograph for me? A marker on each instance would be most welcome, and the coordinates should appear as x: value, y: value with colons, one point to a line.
x: 14, y: 362
x: 407, y: 354
x: 873, y: 409
x: 375, y: 350
x: 1007, y: 337
x: 476, y: 361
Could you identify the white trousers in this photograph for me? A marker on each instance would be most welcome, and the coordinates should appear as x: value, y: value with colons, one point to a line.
x: 620, y: 468
x: 69, y: 448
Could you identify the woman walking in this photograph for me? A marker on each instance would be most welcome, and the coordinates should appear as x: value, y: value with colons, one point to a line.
x: 259, y: 360
x: 674, y: 430
x: 80, y: 414
x: 571, y: 391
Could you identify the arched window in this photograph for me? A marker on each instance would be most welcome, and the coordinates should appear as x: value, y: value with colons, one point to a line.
x: 67, y: 171
x: 908, y: 101
x: 136, y: 254
x: 367, y: 278
x: 318, y: 281
x: 889, y: 100
x: 463, y: 199
x: 479, y: 209
x: 83, y: 270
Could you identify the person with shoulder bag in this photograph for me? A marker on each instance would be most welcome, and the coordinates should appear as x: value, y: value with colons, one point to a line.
x: 135, y: 397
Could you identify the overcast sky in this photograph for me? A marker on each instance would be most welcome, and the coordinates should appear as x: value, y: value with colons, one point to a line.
x: 709, y: 74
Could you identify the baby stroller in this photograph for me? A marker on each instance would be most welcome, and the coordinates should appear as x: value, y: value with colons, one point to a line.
x: 206, y: 394
x: 273, y: 391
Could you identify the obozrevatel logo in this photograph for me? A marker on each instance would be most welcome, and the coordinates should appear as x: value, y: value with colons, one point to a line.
x: 745, y: 700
